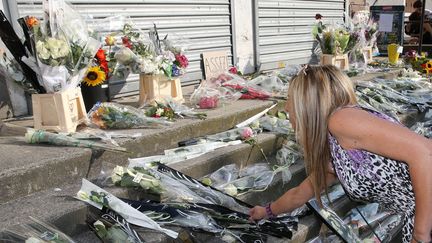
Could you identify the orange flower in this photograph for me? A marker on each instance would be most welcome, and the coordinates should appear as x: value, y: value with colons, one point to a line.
x: 32, y: 21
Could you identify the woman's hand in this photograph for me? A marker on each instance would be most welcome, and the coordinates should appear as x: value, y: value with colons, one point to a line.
x: 257, y: 213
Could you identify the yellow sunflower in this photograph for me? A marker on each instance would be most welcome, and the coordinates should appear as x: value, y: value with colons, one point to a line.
x: 94, y: 76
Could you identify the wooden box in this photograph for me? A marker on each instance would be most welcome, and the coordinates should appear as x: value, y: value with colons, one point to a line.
x: 60, y: 112
x: 340, y: 61
x: 155, y: 87
x: 367, y: 51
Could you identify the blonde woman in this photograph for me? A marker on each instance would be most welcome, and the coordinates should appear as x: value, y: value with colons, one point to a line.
x: 374, y: 157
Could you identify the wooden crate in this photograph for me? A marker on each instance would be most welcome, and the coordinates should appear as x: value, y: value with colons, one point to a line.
x: 60, y: 112
x: 340, y: 61
x: 155, y: 87
x: 367, y: 51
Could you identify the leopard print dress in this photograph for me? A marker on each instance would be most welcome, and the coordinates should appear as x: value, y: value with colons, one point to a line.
x: 370, y: 177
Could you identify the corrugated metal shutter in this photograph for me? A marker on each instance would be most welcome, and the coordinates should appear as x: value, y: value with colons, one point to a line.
x: 283, y: 29
x: 207, y: 23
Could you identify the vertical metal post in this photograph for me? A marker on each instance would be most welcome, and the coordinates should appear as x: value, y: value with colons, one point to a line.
x: 233, y: 33
x: 420, y: 47
x: 256, y: 35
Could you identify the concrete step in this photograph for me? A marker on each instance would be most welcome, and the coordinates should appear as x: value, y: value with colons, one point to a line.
x: 25, y: 169
x: 51, y: 204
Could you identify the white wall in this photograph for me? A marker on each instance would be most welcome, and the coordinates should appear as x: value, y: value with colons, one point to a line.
x: 244, y: 35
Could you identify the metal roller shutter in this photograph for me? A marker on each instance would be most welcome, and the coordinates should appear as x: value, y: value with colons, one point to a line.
x: 207, y: 23
x: 283, y: 29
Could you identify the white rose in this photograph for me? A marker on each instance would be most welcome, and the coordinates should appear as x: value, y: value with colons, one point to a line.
x: 231, y: 190
x: 159, y: 112
x: 42, y: 51
x: 53, y: 43
x: 33, y: 240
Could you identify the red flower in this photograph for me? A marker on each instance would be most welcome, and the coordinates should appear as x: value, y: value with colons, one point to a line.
x: 318, y: 16
x: 182, y: 60
x: 104, y: 67
x: 100, y: 55
x: 126, y: 42
x: 233, y: 70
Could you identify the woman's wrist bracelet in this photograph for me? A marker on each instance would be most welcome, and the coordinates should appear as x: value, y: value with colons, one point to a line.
x: 269, y: 212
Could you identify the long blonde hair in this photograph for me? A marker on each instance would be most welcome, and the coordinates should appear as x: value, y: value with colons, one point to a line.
x: 316, y: 92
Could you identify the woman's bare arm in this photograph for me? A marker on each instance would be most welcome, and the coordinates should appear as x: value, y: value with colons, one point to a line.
x: 357, y: 129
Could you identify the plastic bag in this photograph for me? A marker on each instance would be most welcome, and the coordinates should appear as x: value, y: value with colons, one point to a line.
x: 247, y: 89
x: 210, y: 96
x: 423, y: 128
x: 205, y: 97
x: 204, y: 192
x: 289, y: 153
x: 274, y: 124
x: 223, y: 175
x: 272, y: 84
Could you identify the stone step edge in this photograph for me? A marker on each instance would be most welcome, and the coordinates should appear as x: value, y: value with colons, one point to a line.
x: 44, y: 175
x: 208, y: 163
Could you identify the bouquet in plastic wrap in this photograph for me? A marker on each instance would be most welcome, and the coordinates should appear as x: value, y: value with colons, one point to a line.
x: 216, y: 219
x: 333, y: 41
x: 116, y: 116
x: 272, y: 84
x: 63, y: 49
x: 11, y: 70
x: 112, y: 228
x: 248, y: 90
x: 172, y: 109
x: 136, y: 178
x: 236, y: 182
x: 165, y: 56
x: 205, y: 97
x: 43, y: 137
x: 100, y: 199
x: 35, y: 232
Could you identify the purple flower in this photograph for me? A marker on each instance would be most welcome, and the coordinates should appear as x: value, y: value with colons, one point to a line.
x: 175, y: 71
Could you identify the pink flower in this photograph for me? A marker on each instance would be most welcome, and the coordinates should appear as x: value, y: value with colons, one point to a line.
x: 246, y: 133
x: 233, y: 70
x: 182, y: 60
x: 208, y: 102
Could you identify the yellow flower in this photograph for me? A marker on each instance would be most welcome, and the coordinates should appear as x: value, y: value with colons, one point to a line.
x: 94, y: 76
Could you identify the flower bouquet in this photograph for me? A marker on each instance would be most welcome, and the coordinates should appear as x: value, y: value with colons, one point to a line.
x: 248, y: 90
x: 36, y: 232
x: 100, y: 198
x: 136, y: 178
x: 215, y: 219
x: 235, y: 182
x: 112, y: 228
x: 172, y: 109
x: 180, y: 154
x: 62, y: 49
x: 160, y: 110
x: 10, y: 69
x: 116, y: 116
x: 97, y: 74
x: 44, y: 137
